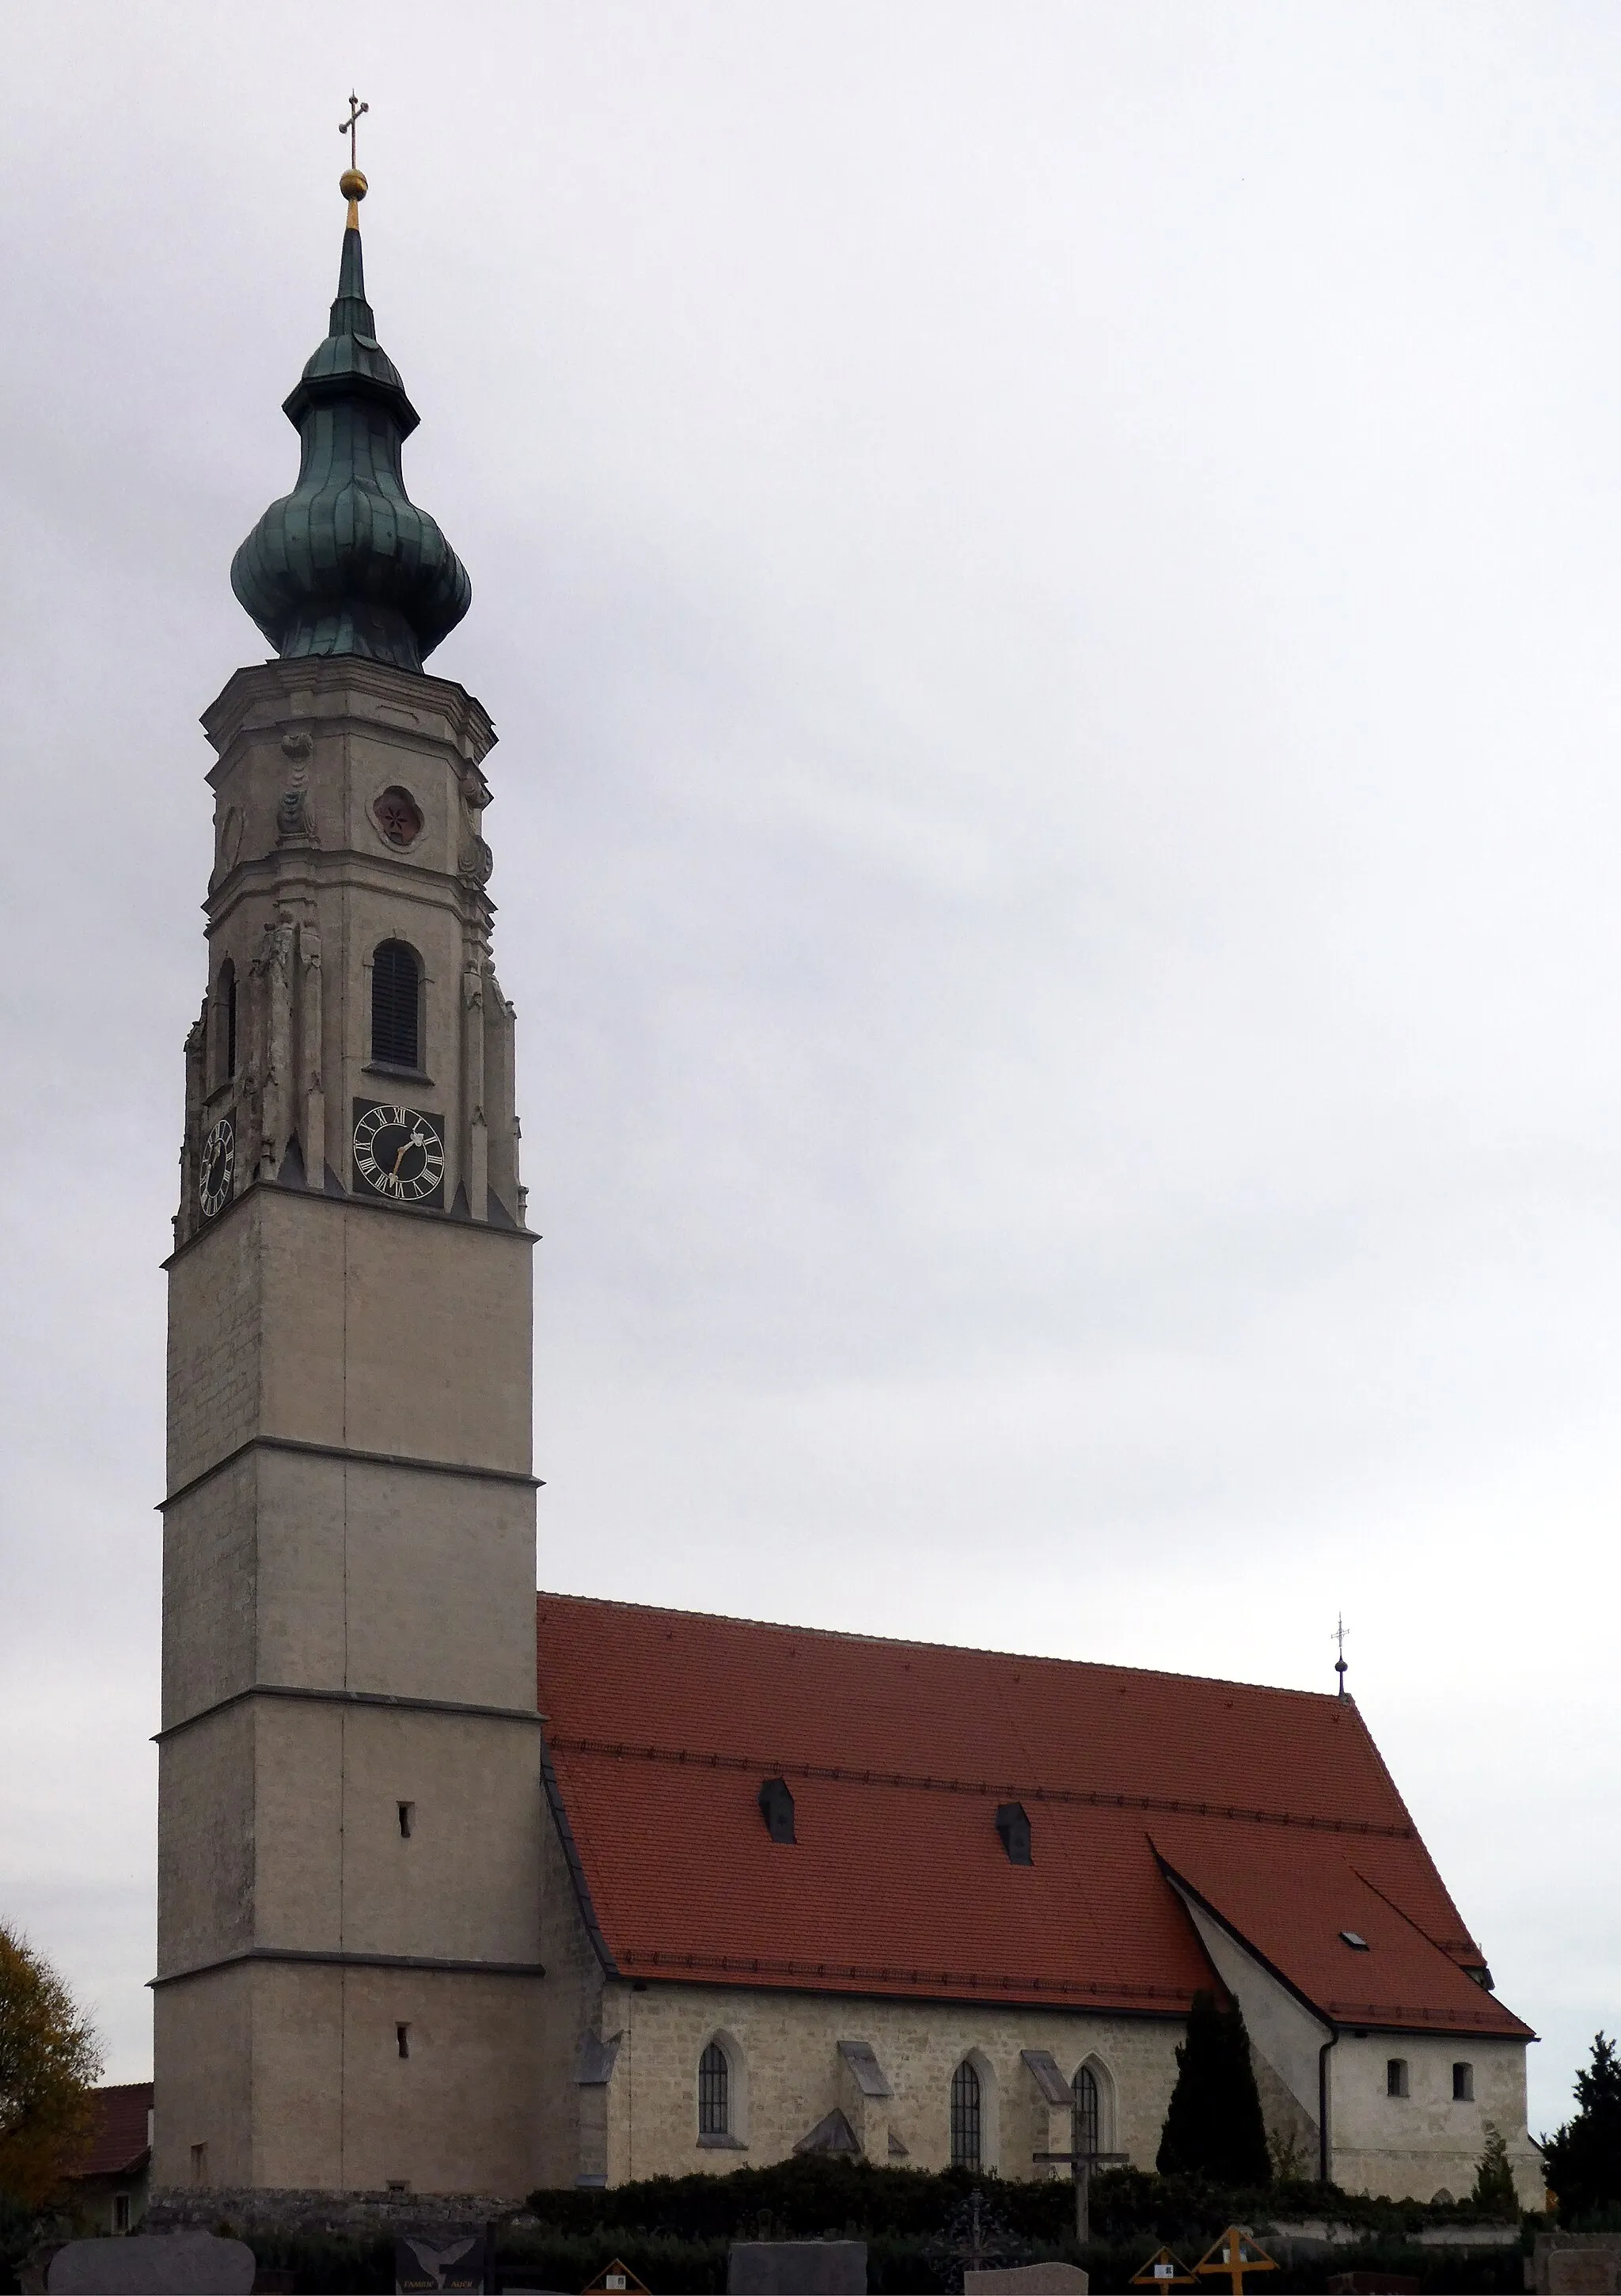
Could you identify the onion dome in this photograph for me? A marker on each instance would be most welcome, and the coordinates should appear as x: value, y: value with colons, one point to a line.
x: 347, y: 563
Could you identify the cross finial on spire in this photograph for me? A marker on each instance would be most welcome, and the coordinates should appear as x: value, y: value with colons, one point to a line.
x: 350, y: 126
x: 1341, y: 1631
x: 352, y: 184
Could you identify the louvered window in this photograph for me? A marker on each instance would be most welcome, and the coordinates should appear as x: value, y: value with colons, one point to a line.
x: 714, y: 2087
x: 396, y: 997
x: 224, y: 1058
x: 964, y: 2117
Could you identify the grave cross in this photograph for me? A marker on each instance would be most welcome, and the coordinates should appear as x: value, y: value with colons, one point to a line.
x: 1235, y: 2253
x: 1083, y: 2163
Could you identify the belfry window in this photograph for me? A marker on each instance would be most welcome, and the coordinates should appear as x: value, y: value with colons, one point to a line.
x: 396, y: 1000
x: 225, y: 1054
x: 714, y: 2093
x: 965, y: 2117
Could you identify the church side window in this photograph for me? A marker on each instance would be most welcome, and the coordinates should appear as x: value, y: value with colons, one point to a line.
x: 1395, y: 2076
x: 714, y: 2093
x: 397, y: 999
x: 1464, y: 2084
x: 965, y: 2117
x: 1088, y: 2114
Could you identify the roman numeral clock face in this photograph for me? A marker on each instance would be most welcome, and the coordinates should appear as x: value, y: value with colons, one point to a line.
x: 399, y: 1154
x: 216, y: 1168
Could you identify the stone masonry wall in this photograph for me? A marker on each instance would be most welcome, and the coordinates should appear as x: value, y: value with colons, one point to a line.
x: 783, y: 2049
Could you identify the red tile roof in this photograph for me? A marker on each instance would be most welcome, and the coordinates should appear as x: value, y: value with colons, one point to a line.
x: 1292, y: 1913
x: 1272, y: 1804
x: 118, y: 2143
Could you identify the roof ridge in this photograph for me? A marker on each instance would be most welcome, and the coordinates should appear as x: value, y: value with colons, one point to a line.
x: 971, y: 1650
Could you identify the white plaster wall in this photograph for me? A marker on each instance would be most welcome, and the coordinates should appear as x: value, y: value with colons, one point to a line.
x: 1414, y: 2147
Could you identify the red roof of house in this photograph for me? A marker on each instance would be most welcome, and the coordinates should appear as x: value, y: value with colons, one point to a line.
x: 1272, y: 1806
x: 118, y: 2143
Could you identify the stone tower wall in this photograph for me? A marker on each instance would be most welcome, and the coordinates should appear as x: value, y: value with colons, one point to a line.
x: 347, y: 1996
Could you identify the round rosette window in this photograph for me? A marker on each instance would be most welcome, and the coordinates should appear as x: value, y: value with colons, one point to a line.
x: 398, y: 816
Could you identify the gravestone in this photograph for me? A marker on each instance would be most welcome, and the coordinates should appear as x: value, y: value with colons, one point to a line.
x: 1050, y: 2279
x: 440, y: 2258
x: 152, y: 2264
x: 798, y: 2267
x: 1578, y: 2264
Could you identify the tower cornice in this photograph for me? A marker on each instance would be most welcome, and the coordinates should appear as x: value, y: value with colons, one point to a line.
x: 316, y: 688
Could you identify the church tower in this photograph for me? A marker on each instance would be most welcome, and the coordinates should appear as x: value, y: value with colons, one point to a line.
x: 348, y: 1988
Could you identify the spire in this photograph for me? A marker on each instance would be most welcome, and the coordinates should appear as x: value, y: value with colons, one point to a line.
x: 347, y: 563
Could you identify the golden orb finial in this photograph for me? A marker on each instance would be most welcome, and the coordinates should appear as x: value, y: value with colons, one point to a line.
x: 352, y: 184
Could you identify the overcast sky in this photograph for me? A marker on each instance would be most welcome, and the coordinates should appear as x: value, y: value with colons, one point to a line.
x: 1049, y: 579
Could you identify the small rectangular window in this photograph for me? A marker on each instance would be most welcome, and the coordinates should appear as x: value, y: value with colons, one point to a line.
x: 407, y: 1819
x: 199, y: 2164
x: 1464, y: 2084
x: 1395, y: 2076
x: 120, y: 2212
x: 402, y: 2040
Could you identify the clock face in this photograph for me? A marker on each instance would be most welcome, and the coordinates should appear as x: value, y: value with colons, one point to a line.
x: 399, y: 1153
x: 218, y: 1165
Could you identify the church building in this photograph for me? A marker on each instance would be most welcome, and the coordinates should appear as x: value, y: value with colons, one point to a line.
x: 464, y: 1890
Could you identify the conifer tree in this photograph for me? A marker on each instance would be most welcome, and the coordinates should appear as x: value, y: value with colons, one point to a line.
x: 1214, y: 2126
x: 1582, y: 2161
x: 1494, y: 2194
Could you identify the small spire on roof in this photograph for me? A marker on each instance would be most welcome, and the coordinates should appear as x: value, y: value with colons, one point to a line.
x: 1341, y: 1631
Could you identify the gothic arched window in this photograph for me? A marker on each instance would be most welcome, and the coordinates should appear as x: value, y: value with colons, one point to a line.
x: 714, y: 2093
x: 397, y: 1003
x: 225, y: 1054
x: 965, y: 2117
x: 1088, y: 2113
